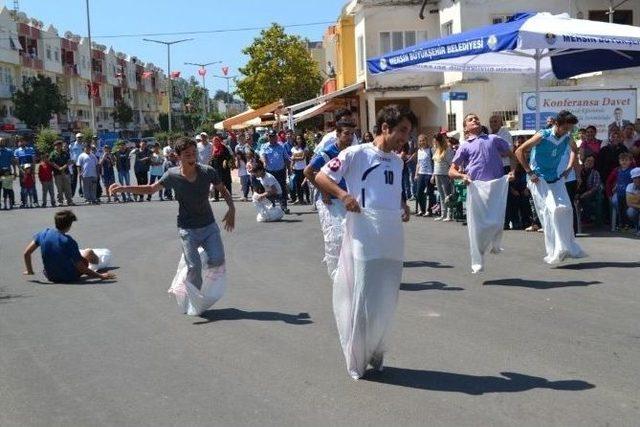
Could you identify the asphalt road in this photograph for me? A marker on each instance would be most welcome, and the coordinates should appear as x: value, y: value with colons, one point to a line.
x: 522, y: 344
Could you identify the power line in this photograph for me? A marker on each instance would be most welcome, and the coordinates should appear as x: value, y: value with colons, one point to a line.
x: 200, y: 32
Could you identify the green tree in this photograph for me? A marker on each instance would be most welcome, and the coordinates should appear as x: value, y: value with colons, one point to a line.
x: 279, y: 67
x: 38, y: 100
x: 45, y: 139
x: 87, y: 134
x: 123, y: 113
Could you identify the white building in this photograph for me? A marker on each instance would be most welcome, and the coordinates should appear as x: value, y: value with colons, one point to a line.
x: 387, y: 25
x: 29, y: 49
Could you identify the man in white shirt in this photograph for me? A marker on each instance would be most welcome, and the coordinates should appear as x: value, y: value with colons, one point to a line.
x: 88, y: 165
x: 366, y: 284
x: 205, y: 149
x: 341, y: 115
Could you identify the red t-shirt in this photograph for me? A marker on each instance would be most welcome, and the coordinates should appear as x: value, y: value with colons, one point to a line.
x: 45, y: 172
x: 28, y: 180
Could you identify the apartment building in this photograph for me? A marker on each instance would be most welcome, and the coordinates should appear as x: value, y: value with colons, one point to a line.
x: 83, y: 73
x: 382, y: 26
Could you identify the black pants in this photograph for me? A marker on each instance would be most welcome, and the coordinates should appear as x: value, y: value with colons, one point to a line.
x: 298, y: 177
x: 518, y: 211
x: 281, y: 177
x: 142, y: 178
x: 572, y: 187
x: 225, y: 177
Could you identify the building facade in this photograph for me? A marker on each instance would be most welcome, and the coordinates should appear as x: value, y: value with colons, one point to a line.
x: 82, y: 72
x: 382, y: 26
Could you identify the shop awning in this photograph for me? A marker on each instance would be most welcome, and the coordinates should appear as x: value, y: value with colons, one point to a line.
x: 248, y: 115
x: 328, y: 97
x: 308, y: 113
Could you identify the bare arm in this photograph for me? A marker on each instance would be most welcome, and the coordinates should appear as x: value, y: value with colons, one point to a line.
x: 31, y: 247
x: 327, y: 185
x: 229, y: 219
x: 136, y: 189
x: 454, y: 173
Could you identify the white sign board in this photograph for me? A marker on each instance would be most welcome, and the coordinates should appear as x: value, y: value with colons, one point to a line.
x: 602, y: 108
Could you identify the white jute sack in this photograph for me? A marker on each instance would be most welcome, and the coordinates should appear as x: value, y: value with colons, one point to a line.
x: 366, y: 284
x: 105, y: 258
x: 267, y: 212
x: 555, y: 212
x: 332, y: 223
x: 194, y: 301
x: 486, y: 205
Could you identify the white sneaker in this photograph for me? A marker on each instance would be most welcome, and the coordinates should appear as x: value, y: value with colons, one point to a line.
x: 440, y: 218
x: 447, y: 219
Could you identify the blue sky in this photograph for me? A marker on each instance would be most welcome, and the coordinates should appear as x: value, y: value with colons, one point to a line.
x: 113, y: 17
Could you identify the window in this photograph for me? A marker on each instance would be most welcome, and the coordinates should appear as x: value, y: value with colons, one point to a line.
x: 499, y: 19
x: 360, y: 54
x: 49, y: 52
x: 624, y: 17
x: 446, y: 29
x: 451, y: 121
x: 396, y: 40
x: 56, y: 55
x: 507, y: 115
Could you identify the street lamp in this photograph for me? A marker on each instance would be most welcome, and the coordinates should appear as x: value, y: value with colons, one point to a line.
x: 202, y: 72
x: 227, y: 78
x: 169, y: 90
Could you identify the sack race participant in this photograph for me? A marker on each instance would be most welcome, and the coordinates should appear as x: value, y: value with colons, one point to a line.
x: 197, y: 228
x: 367, y: 281
x: 480, y: 157
x: 331, y: 211
x: 264, y: 199
x: 548, y: 189
x: 63, y: 261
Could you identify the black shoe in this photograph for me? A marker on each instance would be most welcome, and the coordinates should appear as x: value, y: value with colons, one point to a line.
x: 286, y: 211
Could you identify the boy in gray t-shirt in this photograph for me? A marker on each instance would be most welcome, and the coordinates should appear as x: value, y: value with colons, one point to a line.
x: 196, y: 224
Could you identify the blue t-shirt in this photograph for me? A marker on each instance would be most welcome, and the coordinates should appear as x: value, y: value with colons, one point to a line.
x: 24, y: 154
x: 60, y: 253
x: 6, y: 158
x: 275, y: 157
x: 624, y: 179
x: 323, y: 157
x: 546, y: 156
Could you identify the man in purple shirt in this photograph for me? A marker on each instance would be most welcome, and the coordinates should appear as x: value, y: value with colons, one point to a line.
x: 481, y: 156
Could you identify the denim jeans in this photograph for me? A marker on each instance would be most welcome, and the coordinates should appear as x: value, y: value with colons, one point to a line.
x: 89, y: 184
x: 209, y: 239
x: 124, y: 179
x: 408, y: 183
x: 245, y: 182
x: 425, y: 197
x: 281, y: 177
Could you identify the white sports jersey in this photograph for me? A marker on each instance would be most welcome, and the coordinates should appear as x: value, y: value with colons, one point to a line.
x: 373, y: 177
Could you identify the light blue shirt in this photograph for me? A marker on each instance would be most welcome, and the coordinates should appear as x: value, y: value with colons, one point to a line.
x: 546, y: 156
x: 75, y: 149
x: 275, y: 156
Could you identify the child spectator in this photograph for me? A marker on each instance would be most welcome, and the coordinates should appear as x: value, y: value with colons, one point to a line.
x: 27, y: 186
x: 170, y: 161
x: 156, y: 169
x: 8, y: 198
x: 518, y: 208
x: 616, y: 186
x: 633, y: 198
x: 589, y: 188
x: 45, y: 174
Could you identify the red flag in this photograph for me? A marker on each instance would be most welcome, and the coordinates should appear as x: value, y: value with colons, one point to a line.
x: 175, y: 74
x: 147, y: 74
x: 225, y: 70
x: 202, y: 71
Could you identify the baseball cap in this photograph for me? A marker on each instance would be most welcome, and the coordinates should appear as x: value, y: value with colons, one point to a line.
x: 272, y: 132
x: 635, y: 173
x: 57, y: 142
x: 198, y: 138
x: 204, y: 134
x: 27, y: 166
x: 78, y: 135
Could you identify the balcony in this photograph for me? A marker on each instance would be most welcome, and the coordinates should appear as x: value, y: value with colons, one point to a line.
x: 28, y: 31
x: 27, y: 61
x: 98, y: 77
x: 71, y: 70
x: 68, y: 45
x: 97, y: 101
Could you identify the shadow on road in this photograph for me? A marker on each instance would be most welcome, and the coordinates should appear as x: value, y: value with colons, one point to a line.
x: 270, y: 316
x: 430, y: 264
x: 286, y: 220
x: 428, y: 286
x: 7, y: 297
x: 539, y: 284
x: 597, y: 265
x: 79, y: 283
x: 509, y: 382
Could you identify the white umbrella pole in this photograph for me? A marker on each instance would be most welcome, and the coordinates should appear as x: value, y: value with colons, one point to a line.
x: 537, y: 89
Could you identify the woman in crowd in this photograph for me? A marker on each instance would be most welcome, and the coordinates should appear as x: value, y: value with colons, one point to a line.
x: 222, y: 162
x: 156, y: 169
x: 424, y: 171
x: 107, y: 163
x: 299, y: 162
x: 442, y: 156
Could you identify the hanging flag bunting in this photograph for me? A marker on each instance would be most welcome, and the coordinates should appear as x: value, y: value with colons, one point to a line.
x: 175, y: 74
x: 225, y: 70
x: 202, y: 71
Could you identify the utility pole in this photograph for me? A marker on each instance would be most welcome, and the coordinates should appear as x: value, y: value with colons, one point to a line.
x: 202, y: 71
x: 227, y: 78
x: 613, y: 8
x: 169, y: 85
x: 93, y: 112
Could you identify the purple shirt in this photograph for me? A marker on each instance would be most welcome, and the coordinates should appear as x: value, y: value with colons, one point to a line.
x: 481, y: 157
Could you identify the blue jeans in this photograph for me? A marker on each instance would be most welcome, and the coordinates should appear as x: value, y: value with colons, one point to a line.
x: 245, y: 182
x: 425, y: 197
x: 408, y: 183
x: 209, y: 239
x: 124, y: 179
